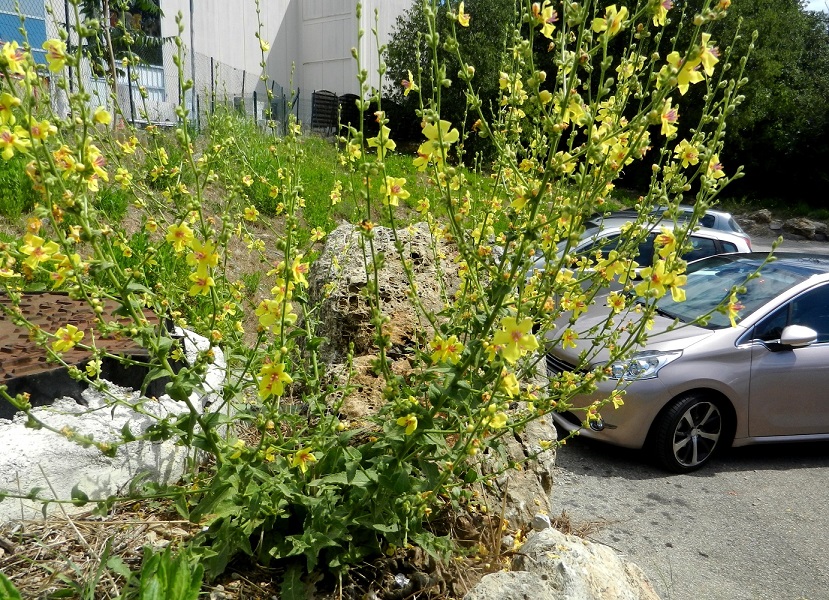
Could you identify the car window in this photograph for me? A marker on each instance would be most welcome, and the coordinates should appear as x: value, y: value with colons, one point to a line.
x: 728, y: 247
x: 701, y: 247
x: 708, y: 221
x: 810, y: 309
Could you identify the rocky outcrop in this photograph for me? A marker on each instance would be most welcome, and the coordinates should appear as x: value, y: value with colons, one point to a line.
x: 801, y: 226
x: 565, y: 567
x: 339, y: 279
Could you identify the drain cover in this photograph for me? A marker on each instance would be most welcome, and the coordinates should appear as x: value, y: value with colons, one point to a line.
x: 25, y: 367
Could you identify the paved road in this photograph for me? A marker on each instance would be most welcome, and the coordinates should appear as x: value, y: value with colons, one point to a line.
x: 752, y: 525
x: 763, y: 244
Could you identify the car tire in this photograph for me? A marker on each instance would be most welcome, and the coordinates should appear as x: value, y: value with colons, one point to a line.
x: 689, y: 433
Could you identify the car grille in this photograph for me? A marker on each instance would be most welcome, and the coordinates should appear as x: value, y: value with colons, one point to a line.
x: 556, y: 366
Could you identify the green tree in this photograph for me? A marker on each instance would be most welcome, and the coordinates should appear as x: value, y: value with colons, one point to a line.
x: 485, y: 43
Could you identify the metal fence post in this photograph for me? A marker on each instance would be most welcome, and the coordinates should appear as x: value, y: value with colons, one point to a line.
x: 212, y: 88
x: 129, y: 89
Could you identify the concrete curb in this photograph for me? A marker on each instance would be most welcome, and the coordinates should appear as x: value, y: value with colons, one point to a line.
x: 41, y: 459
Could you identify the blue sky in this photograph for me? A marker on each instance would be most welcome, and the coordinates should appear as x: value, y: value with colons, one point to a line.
x: 817, y: 4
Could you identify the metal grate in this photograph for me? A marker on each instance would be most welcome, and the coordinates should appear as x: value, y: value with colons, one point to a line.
x: 556, y: 366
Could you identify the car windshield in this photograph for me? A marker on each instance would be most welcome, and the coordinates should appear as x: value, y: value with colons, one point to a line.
x: 710, y: 283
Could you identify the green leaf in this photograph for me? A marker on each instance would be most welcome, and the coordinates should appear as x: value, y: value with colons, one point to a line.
x: 119, y: 567
x: 138, y: 288
x: 126, y: 434
x: 7, y: 590
x: 79, y: 497
x: 292, y: 587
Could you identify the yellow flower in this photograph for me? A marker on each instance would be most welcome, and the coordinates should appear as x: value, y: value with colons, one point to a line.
x: 393, y: 190
x: 687, y: 153
x: 438, y: 139
x: 102, y: 116
x: 546, y: 17
x: 202, y: 282
x: 509, y: 384
x: 7, y: 103
x: 687, y: 72
x: 251, y: 214
x: 498, y: 421
x: 66, y: 338
x: 409, y: 422
x: 568, y: 338
x: 41, y: 131
x: 613, y: 21
x: 715, y: 169
x: 302, y: 458
x: 733, y: 308
x: 660, y: 13
x: 616, y: 302
x: 382, y: 142
x: 669, y: 117
x: 272, y: 379
x: 14, y: 140
x: 180, y: 236
x: 264, y: 46
x: 446, y: 350
x: 409, y: 85
x: 203, y: 255
x: 708, y: 55
x: 317, y: 234
x: 515, y: 339
x: 15, y: 58
x: 463, y: 18
x: 37, y: 250
x: 238, y: 446
x: 666, y: 242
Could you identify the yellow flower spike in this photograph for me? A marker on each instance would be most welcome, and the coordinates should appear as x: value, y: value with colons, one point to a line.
x: 463, y: 18
x: 515, y: 339
x: 102, y: 116
x: 303, y: 458
x: 180, y: 236
x: 409, y: 422
x: 66, y: 338
x: 272, y: 379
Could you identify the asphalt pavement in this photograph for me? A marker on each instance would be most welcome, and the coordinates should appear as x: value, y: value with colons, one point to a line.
x: 753, y: 524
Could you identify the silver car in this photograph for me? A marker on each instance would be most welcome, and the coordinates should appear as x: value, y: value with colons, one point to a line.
x: 696, y: 388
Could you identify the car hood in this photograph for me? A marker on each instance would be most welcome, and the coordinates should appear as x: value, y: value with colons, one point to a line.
x: 662, y: 336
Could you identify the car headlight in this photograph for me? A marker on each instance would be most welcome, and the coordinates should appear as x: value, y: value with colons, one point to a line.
x: 644, y: 365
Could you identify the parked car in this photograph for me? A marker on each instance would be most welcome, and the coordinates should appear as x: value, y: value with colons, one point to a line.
x: 696, y: 388
x: 605, y: 234
x: 712, y: 219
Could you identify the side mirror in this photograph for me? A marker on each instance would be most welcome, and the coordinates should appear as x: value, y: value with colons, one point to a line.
x: 798, y: 336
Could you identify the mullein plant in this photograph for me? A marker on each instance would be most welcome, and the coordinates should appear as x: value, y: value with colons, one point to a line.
x: 309, y: 485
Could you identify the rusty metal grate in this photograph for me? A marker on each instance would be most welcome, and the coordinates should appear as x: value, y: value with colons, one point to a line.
x: 24, y: 366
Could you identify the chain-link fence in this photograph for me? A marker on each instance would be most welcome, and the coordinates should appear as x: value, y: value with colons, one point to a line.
x: 147, y: 89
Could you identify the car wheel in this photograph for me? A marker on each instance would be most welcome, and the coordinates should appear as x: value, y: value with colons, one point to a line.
x: 689, y: 433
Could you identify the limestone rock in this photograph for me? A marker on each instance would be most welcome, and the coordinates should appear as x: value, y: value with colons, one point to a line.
x: 338, y: 281
x: 581, y: 570
x: 512, y: 585
x: 801, y: 226
x: 761, y: 216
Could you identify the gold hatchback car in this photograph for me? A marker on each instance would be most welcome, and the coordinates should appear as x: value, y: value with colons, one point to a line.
x: 694, y: 389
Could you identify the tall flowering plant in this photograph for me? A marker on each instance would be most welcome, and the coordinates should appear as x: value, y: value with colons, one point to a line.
x: 306, y: 483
